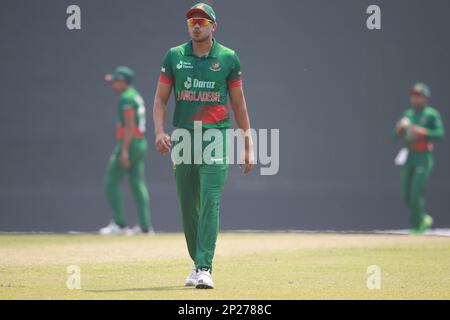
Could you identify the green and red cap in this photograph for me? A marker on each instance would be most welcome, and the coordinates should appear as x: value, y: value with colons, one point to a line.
x: 422, y: 89
x: 121, y: 73
x: 202, y: 8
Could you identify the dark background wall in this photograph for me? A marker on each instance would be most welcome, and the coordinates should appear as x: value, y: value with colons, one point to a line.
x: 311, y: 68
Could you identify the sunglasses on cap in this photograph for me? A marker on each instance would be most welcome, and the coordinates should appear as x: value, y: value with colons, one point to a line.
x: 202, y: 22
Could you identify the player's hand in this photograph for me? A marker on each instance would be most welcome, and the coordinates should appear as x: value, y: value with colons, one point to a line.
x: 124, y: 158
x: 403, y: 125
x: 249, y: 160
x: 163, y: 143
x: 416, y: 132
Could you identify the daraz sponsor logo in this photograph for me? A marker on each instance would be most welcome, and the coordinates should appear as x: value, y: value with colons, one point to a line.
x: 195, y: 83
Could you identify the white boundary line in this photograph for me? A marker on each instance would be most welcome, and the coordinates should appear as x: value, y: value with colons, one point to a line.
x: 432, y: 232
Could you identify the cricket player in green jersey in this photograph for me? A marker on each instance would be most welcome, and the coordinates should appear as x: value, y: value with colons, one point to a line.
x: 202, y: 74
x: 419, y: 127
x: 128, y: 156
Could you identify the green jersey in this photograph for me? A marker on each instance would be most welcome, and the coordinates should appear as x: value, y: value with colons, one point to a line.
x: 429, y: 119
x: 201, y: 84
x: 131, y: 101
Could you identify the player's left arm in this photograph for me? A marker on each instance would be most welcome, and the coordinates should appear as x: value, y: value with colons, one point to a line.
x: 435, y: 130
x: 240, y: 112
x: 129, y: 127
x: 242, y: 119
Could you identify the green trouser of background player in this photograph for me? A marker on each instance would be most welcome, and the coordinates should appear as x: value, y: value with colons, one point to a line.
x: 114, y: 174
x: 415, y: 173
x: 199, y: 188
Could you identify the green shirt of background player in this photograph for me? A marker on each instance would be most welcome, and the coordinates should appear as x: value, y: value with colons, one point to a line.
x: 202, y: 74
x: 128, y: 156
x: 419, y: 127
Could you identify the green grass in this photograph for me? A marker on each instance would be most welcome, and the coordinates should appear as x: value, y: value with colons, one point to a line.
x: 247, y: 266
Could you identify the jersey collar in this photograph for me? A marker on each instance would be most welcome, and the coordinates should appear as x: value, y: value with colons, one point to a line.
x: 212, y: 53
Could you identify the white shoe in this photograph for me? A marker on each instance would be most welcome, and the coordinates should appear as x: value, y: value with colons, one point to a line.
x: 137, y: 230
x: 191, y: 280
x: 204, y: 280
x: 112, y: 229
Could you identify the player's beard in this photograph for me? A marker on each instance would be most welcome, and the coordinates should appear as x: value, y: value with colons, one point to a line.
x: 203, y: 39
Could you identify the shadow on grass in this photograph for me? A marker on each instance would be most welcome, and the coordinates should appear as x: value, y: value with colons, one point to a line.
x: 167, y: 288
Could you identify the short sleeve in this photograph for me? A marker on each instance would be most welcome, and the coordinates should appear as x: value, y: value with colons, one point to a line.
x: 126, y: 103
x: 166, y: 75
x: 234, y: 78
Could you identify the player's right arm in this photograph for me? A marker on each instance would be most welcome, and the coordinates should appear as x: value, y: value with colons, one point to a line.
x: 401, y: 126
x: 163, y: 90
x: 162, y: 140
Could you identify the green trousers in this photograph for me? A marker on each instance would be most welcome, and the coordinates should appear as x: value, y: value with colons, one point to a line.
x: 114, y: 174
x: 415, y: 174
x: 199, y: 188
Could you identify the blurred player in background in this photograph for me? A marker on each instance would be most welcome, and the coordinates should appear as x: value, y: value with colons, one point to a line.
x: 419, y: 127
x: 128, y: 156
x: 202, y: 73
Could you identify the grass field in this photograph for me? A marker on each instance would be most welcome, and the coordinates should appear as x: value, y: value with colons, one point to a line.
x: 247, y: 266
